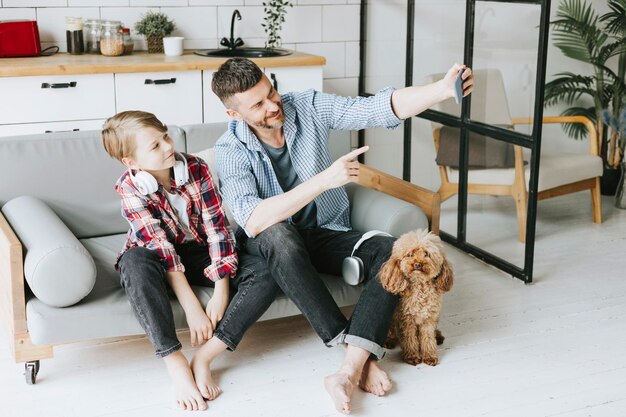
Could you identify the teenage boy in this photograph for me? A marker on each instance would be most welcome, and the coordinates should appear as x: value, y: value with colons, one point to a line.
x: 179, y: 236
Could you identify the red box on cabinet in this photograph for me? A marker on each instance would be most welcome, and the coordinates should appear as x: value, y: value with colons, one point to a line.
x: 19, y: 38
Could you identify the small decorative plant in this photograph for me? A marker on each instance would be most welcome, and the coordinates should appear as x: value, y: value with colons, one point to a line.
x: 275, y: 11
x: 154, y: 26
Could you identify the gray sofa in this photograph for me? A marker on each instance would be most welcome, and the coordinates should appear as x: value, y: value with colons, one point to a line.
x: 61, y: 229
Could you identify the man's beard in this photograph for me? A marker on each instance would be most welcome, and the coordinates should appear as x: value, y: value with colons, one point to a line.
x: 272, y: 124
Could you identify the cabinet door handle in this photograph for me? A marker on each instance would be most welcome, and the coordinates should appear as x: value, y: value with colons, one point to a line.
x: 163, y: 81
x: 59, y: 131
x: 59, y: 85
x: 274, y: 80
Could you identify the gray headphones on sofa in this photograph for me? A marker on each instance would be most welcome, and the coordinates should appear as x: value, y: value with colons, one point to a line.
x: 352, y: 268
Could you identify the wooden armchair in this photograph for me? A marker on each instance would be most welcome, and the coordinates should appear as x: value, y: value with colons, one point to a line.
x: 559, y: 174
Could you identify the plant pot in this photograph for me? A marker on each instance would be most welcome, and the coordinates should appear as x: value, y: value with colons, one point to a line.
x: 608, y: 180
x: 620, y: 194
x: 155, y: 44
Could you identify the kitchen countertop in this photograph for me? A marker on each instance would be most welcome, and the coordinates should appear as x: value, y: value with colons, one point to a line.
x: 63, y: 63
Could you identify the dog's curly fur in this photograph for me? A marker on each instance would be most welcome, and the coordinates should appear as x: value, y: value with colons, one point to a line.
x: 420, y: 273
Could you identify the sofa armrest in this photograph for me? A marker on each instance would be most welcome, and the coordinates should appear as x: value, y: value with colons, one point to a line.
x: 59, y: 270
x: 428, y: 201
x: 13, y: 298
x: 374, y: 210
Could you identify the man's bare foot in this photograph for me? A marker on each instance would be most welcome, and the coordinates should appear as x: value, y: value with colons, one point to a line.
x: 204, y: 380
x: 185, y: 391
x: 340, y: 387
x: 374, y: 380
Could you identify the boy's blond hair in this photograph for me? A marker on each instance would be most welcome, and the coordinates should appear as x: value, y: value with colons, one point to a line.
x: 118, y: 132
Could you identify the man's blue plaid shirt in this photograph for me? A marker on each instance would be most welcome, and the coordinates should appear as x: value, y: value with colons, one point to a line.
x: 245, y: 170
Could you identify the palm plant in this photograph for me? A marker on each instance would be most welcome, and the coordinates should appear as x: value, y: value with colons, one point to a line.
x: 581, y: 34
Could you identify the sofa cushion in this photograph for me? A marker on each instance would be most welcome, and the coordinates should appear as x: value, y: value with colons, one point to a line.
x: 373, y: 210
x: 59, y: 270
x: 203, y: 136
x: 72, y: 174
x: 106, y: 312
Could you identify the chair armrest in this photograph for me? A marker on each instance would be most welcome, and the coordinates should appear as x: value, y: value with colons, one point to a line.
x: 428, y: 201
x: 594, y: 147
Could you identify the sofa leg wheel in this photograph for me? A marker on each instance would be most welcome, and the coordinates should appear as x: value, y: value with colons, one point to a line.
x: 31, y: 369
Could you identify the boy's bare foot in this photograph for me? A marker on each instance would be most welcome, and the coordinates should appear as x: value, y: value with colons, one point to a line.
x: 340, y: 386
x: 201, y: 367
x: 374, y: 380
x: 186, y: 393
x: 204, y: 380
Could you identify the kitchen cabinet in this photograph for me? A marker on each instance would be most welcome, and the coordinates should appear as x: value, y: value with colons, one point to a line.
x: 55, y: 98
x: 175, y: 97
x: 287, y: 79
x: 66, y: 92
x: 214, y: 111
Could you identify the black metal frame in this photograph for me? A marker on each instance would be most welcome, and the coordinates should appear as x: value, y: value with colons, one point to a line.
x: 466, y: 125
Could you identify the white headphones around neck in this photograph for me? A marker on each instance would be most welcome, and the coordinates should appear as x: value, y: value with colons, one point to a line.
x: 147, y: 184
x: 352, y: 268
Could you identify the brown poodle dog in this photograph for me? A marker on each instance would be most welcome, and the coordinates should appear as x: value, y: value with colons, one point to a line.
x: 419, y: 272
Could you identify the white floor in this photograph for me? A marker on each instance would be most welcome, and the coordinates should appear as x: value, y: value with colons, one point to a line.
x: 556, y: 347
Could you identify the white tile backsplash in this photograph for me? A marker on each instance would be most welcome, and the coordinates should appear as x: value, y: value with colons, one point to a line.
x: 340, y: 23
x: 155, y: 3
x: 17, y: 14
x: 127, y: 15
x: 34, y: 3
x: 352, y: 59
x: 97, y: 3
x: 317, y: 2
x: 248, y: 27
x: 303, y: 24
x: 217, y: 2
x: 193, y: 22
x: 335, y: 56
x: 51, y: 21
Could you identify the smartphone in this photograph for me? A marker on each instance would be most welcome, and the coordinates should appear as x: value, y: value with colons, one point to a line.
x: 458, y: 87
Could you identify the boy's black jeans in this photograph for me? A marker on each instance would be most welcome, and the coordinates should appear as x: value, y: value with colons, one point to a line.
x: 144, y: 279
x: 296, y: 257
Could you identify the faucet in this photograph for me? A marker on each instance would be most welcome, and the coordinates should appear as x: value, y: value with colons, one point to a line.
x: 232, y: 43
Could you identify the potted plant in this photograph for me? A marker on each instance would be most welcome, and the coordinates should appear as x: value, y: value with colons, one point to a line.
x: 275, y: 11
x: 154, y: 26
x: 583, y: 35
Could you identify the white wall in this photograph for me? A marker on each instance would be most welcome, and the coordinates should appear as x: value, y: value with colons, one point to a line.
x: 324, y: 27
x: 506, y: 38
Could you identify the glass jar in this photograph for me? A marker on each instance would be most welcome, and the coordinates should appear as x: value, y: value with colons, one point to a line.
x: 92, y: 36
x: 129, y: 44
x: 74, y: 35
x: 111, y: 42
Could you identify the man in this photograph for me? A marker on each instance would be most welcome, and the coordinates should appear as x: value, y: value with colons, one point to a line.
x: 279, y: 182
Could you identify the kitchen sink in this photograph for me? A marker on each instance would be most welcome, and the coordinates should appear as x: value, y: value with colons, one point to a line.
x: 244, y: 52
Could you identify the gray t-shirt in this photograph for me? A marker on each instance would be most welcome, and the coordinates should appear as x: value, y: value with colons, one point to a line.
x: 288, y: 179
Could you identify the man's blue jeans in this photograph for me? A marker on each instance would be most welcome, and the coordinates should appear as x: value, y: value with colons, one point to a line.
x: 297, y: 256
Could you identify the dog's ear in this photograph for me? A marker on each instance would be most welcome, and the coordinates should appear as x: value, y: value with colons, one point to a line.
x: 444, y: 281
x: 391, y: 276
